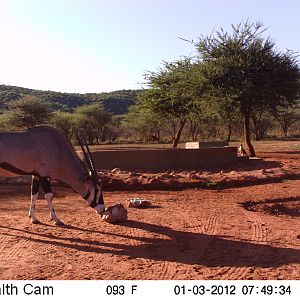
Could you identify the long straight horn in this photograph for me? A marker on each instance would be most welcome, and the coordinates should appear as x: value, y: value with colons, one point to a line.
x: 93, y: 168
x: 83, y: 151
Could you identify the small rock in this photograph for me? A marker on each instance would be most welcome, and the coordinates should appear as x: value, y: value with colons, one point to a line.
x: 183, y: 174
x: 164, y: 176
x: 157, y: 184
x: 130, y: 174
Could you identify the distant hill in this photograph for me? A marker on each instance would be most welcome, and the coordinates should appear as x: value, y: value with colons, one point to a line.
x: 116, y: 102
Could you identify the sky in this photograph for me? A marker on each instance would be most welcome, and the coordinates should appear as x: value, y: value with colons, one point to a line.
x: 91, y: 46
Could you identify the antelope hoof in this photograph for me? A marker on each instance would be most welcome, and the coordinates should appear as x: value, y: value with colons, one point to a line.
x: 59, y: 223
x: 35, y: 221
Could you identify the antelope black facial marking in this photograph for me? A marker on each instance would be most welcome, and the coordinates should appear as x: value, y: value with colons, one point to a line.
x: 87, y: 195
x: 96, y: 201
x: 101, y: 200
x: 93, y: 203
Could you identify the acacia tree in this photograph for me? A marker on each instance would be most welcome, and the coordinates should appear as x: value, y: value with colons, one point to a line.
x: 195, y: 122
x: 144, y: 122
x: 28, y: 112
x: 246, y: 69
x: 220, y: 110
x: 64, y: 121
x: 262, y: 122
x: 286, y: 118
x: 92, y: 120
x: 172, y: 93
x: 115, y: 128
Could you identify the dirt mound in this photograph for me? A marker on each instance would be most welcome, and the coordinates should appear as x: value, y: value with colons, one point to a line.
x: 244, y: 173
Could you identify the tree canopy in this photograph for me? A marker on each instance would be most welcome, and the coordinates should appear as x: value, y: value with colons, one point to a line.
x: 92, y: 121
x: 172, y: 92
x: 28, y: 112
x: 245, y: 71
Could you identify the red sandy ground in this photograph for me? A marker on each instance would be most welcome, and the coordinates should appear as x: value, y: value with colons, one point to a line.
x: 238, y: 223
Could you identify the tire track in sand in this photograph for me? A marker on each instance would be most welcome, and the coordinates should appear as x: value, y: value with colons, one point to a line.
x: 169, y: 268
x: 161, y: 268
x: 159, y: 265
x: 4, y: 239
x: 258, y: 236
x: 197, y: 225
x: 14, y: 248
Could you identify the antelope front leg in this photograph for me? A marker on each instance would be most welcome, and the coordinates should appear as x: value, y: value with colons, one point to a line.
x: 35, y: 183
x: 49, y: 196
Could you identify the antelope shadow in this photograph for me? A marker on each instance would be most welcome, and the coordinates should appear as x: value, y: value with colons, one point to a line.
x: 172, y: 246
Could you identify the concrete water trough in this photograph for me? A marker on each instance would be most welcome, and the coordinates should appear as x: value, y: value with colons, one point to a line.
x: 206, y: 144
x: 164, y: 159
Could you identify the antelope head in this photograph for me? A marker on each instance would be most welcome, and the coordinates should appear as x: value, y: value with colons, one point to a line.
x: 94, y: 195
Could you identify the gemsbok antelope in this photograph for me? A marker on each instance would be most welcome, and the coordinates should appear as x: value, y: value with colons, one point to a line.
x: 45, y: 153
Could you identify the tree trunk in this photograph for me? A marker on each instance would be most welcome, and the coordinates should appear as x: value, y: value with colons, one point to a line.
x: 257, y: 135
x: 256, y: 128
x: 229, y: 132
x: 247, y: 134
x: 178, y: 133
x: 158, y: 135
x: 285, y: 132
x: 285, y: 128
x: 193, y: 130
